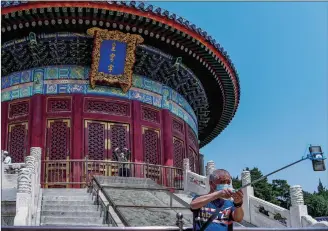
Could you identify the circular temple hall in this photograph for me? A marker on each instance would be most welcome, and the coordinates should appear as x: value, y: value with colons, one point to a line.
x: 81, y: 79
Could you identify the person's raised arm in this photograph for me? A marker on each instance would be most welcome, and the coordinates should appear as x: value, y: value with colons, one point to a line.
x: 238, y: 213
x: 205, y: 199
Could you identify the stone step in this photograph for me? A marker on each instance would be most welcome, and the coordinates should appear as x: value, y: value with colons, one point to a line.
x: 72, y: 220
x: 66, y: 193
x: 95, y: 214
x: 74, y: 202
x: 66, y: 198
x: 70, y: 208
x: 65, y: 190
x: 76, y: 224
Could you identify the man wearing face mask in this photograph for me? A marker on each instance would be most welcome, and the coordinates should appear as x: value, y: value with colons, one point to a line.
x: 219, y: 203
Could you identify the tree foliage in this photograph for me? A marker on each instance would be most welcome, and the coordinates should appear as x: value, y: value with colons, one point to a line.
x: 278, y: 193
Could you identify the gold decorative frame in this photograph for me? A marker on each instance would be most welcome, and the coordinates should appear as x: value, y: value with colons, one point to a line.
x: 124, y: 80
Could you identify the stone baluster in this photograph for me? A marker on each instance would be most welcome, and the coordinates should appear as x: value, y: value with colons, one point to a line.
x: 23, y: 198
x: 36, y: 152
x: 210, y: 167
x: 31, y: 164
x: 248, y: 191
x: 297, y: 209
x: 186, y: 165
x: 186, y: 168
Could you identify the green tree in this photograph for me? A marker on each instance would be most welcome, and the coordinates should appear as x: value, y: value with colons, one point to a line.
x: 280, y: 190
x: 321, y: 189
x: 236, y: 183
x: 262, y: 189
x: 317, y: 205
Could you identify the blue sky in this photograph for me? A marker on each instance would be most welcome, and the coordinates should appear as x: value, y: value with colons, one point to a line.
x: 280, y: 52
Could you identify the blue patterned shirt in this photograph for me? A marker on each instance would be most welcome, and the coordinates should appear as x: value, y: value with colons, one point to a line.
x: 223, y: 222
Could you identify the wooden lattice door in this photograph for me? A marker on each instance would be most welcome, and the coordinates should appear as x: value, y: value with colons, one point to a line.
x: 118, y: 134
x: 96, y: 147
x: 101, y: 139
x: 17, y: 142
x: 193, y: 160
x: 58, y: 152
x: 152, y: 152
x: 178, y: 152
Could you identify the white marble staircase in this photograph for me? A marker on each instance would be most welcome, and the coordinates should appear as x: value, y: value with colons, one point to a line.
x: 69, y: 207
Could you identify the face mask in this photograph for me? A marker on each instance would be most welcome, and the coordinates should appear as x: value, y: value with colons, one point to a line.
x: 220, y: 187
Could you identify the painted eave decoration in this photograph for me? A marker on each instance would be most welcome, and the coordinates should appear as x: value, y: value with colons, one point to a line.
x: 113, y: 57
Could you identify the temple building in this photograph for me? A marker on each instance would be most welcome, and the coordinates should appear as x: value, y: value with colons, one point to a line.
x: 80, y: 79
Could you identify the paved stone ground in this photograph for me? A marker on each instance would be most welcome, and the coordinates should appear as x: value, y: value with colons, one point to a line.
x: 139, y: 216
x: 127, y: 182
x: 130, y: 197
x: 154, y: 216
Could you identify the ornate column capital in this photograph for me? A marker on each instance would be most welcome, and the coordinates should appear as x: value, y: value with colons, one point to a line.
x: 210, y: 167
x: 245, y: 177
x: 24, y: 181
x: 36, y: 152
x: 30, y: 163
x: 186, y: 164
x: 296, y: 195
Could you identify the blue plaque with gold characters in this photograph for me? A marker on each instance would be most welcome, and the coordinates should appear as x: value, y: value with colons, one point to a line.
x: 113, y: 57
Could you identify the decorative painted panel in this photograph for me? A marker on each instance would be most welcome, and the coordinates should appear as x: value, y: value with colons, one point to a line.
x: 59, y: 104
x: 17, y: 142
x: 178, y: 152
x: 96, y: 139
x: 74, y: 79
x: 177, y: 126
x: 18, y: 109
x: 58, y: 139
x: 119, y: 108
x: 119, y: 137
x: 149, y: 114
x: 151, y: 145
x: 193, y: 161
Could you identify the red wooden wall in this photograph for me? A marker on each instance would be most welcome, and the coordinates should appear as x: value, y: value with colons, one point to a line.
x: 75, y: 126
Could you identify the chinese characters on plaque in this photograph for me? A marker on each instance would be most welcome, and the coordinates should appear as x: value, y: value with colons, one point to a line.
x: 113, y: 58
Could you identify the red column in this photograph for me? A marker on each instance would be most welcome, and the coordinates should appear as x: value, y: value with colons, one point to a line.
x: 186, y: 138
x: 168, y: 173
x: 4, y: 125
x: 37, y: 126
x: 77, y: 136
x: 137, y: 151
x: 167, y: 137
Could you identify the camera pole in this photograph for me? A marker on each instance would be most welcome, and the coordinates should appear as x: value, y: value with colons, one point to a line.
x: 314, y: 156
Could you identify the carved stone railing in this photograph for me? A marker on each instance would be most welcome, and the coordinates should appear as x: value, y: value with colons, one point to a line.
x: 12, y: 168
x: 28, y: 189
x: 308, y: 221
x: 265, y: 214
x: 9, y: 174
